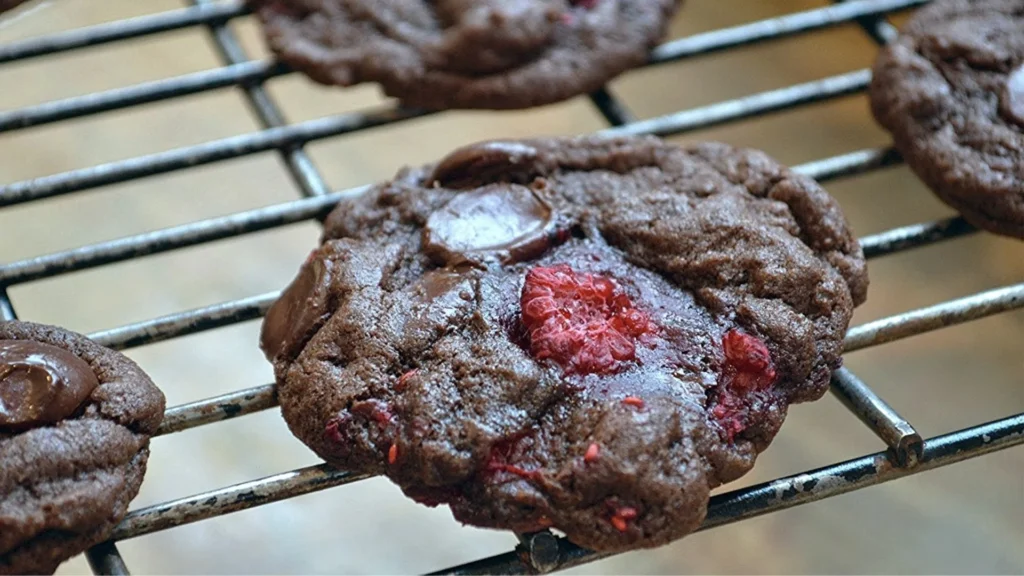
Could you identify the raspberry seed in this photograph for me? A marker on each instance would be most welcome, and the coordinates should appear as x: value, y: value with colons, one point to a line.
x: 621, y: 517
x: 633, y: 401
x: 403, y: 380
x: 619, y: 523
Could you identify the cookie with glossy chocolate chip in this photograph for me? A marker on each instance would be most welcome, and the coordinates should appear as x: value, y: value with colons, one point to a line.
x: 950, y: 89
x: 75, y: 422
x: 587, y: 333
x: 443, y: 54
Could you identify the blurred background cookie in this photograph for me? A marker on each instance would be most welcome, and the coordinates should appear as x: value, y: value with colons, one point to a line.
x: 466, y: 53
x: 951, y: 91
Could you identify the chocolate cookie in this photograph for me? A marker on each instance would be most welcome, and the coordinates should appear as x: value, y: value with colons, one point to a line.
x: 75, y: 422
x: 586, y: 333
x: 6, y: 5
x: 442, y: 54
x: 951, y: 91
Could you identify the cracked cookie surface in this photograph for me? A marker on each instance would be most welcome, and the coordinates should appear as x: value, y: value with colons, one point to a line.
x: 75, y: 422
x: 950, y: 89
x: 586, y: 333
x: 496, y: 54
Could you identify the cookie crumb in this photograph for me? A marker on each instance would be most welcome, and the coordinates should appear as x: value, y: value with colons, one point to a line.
x: 748, y: 370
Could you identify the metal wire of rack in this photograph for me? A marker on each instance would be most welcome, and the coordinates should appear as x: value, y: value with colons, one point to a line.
x: 905, y: 451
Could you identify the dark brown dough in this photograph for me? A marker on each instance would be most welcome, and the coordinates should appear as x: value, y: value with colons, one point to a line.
x: 6, y: 5
x: 951, y: 91
x: 65, y: 485
x: 402, y: 347
x: 441, y: 54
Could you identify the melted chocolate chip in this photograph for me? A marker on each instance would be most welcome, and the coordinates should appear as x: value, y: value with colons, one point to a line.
x: 40, y: 384
x: 1012, y: 101
x: 303, y: 305
x: 439, y: 282
x: 507, y: 223
x: 486, y: 163
x: 438, y: 297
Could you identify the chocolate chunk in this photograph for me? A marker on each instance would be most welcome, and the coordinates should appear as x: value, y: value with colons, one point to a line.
x: 1013, y: 96
x: 40, y: 384
x: 301, y: 306
x: 487, y: 162
x: 509, y: 223
x: 437, y: 283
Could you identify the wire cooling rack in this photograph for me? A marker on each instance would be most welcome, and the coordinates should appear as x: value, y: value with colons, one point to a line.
x: 905, y: 451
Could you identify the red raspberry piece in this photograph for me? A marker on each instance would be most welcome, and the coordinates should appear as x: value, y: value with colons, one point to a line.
x: 622, y: 516
x: 748, y: 371
x: 619, y: 523
x: 375, y: 409
x: 750, y: 359
x: 503, y: 453
x: 581, y: 321
x: 731, y: 414
x: 332, y: 431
